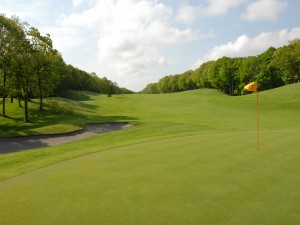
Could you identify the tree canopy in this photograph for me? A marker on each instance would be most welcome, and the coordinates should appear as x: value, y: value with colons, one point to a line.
x: 31, y: 67
x: 271, y: 69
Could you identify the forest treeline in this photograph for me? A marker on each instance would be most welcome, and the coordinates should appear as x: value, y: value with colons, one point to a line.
x: 31, y: 68
x: 273, y: 68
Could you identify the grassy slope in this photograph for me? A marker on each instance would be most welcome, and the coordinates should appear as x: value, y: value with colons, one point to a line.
x: 61, y: 115
x: 191, y: 159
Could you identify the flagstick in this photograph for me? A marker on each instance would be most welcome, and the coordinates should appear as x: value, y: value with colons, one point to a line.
x: 253, y: 86
x: 257, y: 111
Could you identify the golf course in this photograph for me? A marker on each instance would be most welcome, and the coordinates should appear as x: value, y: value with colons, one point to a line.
x: 188, y: 158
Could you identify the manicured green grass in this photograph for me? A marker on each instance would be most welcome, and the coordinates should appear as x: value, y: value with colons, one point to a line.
x: 190, y: 159
x: 60, y: 115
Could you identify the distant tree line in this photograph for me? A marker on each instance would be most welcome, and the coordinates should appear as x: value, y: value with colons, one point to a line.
x: 75, y: 79
x: 31, y: 68
x: 273, y: 68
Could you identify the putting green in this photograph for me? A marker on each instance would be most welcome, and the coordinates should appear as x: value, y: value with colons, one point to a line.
x: 215, y: 178
x: 191, y: 158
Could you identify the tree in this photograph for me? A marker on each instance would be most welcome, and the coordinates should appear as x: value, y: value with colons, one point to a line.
x: 185, y: 81
x: 200, y: 75
x: 273, y: 68
x: 23, y: 63
x: 163, y: 85
x: 174, y: 84
x: 287, y: 60
x: 5, y: 55
x: 248, y: 70
x: 224, y: 75
x: 151, y: 88
x: 44, y: 57
x: 10, y: 36
x: 269, y: 75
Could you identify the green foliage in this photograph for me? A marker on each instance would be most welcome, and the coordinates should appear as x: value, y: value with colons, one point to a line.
x: 173, y: 83
x: 273, y: 68
x: 151, y: 89
x: 76, y: 79
x: 287, y: 60
x: 30, y: 67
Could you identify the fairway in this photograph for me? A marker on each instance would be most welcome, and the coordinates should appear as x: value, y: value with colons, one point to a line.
x: 191, y: 158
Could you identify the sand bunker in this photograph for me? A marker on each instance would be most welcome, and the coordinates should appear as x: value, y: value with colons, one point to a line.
x: 16, y: 144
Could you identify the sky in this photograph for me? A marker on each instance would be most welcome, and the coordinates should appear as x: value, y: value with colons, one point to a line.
x: 137, y: 42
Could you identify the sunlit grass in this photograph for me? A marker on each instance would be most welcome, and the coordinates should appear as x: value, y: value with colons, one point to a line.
x: 190, y: 159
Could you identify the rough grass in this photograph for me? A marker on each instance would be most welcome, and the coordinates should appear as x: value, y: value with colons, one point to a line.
x: 190, y: 159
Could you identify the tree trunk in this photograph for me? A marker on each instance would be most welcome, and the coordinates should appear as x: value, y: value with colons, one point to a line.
x: 19, y: 87
x: 4, y: 93
x: 26, y: 118
x: 41, y: 94
x: 19, y: 101
x: 3, y: 106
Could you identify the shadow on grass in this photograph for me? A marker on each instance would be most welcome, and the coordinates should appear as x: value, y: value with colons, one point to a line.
x: 61, y: 105
x: 9, y: 145
x: 63, y: 124
x: 15, y: 144
x: 58, y: 116
x: 79, y: 95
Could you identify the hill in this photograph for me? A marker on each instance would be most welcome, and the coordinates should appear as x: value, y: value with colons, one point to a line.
x: 191, y: 158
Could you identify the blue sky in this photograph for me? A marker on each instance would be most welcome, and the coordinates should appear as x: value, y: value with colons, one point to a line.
x: 135, y: 42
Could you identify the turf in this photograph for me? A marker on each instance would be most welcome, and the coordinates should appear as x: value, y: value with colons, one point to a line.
x: 190, y: 159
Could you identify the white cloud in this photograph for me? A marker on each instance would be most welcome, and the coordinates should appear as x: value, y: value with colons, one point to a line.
x: 77, y: 3
x: 245, y: 46
x: 264, y: 10
x: 65, y: 38
x: 220, y: 7
x: 187, y: 14
x: 130, y: 34
x: 33, y: 10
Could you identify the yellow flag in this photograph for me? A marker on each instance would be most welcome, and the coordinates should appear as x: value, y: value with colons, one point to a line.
x: 253, y: 86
